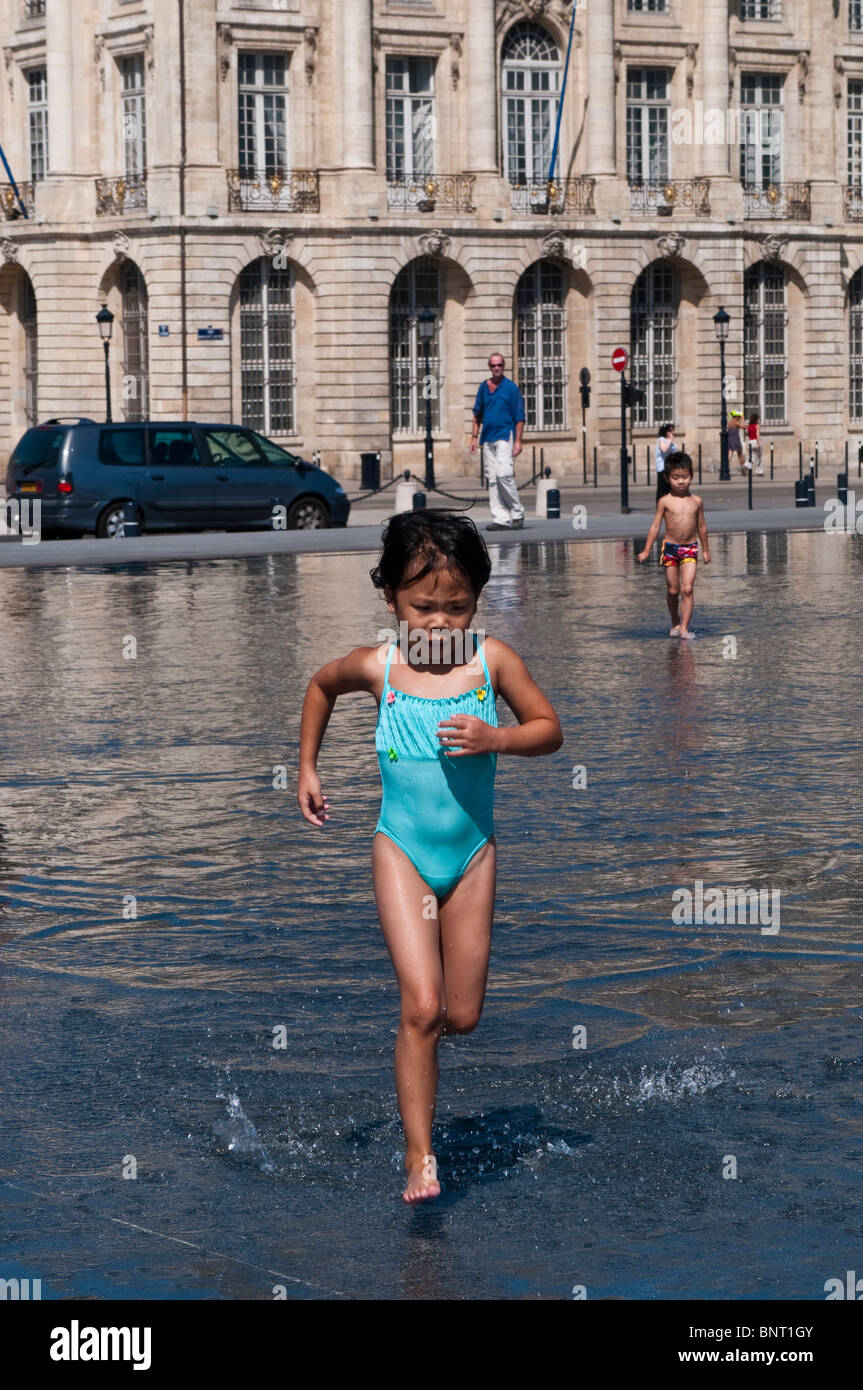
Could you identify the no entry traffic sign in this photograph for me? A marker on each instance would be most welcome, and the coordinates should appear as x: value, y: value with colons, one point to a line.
x: 619, y: 359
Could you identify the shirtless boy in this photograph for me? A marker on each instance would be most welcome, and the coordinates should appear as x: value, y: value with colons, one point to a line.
x: 683, y: 514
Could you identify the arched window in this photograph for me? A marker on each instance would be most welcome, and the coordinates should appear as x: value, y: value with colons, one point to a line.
x: 416, y: 287
x: 531, y: 83
x: 31, y: 351
x: 540, y: 336
x: 764, y: 348
x: 653, y: 320
x: 855, y: 346
x: 136, y: 384
x: 266, y: 301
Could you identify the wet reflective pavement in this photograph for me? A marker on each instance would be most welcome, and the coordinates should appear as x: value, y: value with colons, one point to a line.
x: 150, y: 1038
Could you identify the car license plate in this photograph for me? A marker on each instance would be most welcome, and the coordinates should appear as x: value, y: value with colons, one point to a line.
x: 27, y: 487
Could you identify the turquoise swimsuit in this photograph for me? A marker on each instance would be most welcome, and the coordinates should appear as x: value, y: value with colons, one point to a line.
x: 438, y: 809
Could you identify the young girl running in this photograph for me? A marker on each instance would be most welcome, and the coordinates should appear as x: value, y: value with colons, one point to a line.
x: 437, y: 740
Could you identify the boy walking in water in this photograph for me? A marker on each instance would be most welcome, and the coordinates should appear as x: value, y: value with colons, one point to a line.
x: 683, y: 514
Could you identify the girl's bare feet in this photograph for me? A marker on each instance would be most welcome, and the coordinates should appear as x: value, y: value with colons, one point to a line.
x: 686, y: 634
x: 422, y: 1179
x: 675, y: 631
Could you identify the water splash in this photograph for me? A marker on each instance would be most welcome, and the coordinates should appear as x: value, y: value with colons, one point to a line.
x: 238, y: 1135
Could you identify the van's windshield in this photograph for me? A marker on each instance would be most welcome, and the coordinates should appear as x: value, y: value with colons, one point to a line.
x: 38, y: 449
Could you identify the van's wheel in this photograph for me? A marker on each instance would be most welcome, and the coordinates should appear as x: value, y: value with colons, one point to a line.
x: 110, y: 523
x: 308, y: 514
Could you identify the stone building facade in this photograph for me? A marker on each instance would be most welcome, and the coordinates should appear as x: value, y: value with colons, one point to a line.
x: 267, y: 194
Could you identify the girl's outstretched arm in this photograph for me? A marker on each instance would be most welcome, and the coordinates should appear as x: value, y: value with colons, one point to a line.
x: 356, y: 671
x: 653, y: 532
x: 539, y: 728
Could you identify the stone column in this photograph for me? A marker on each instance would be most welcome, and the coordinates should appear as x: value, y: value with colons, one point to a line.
x: 712, y: 160
x: 482, y: 88
x: 63, y: 101
x: 354, y: 18
x: 600, y: 69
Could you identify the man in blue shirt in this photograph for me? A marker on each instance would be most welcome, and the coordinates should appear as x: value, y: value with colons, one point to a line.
x: 499, y: 406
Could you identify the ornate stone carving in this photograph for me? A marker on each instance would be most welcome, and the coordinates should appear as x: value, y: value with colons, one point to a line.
x: 732, y: 66
x: 691, y: 61
x: 618, y: 63
x: 578, y: 258
x: 99, y: 55
x: 838, y: 84
x: 149, y: 48
x: 455, y: 44
x: 671, y: 244
x: 434, y: 243
x: 274, y: 241
x: 310, y: 37
x: 376, y: 49
x: 773, y: 246
x: 510, y: 10
x: 225, y: 40
x: 554, y: 247
x: 10, y: 250
x: 8, y: 55
x: 122, y: 245
x: 803, y: 66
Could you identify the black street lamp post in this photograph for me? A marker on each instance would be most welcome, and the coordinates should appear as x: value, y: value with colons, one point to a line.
x: 721, y: 321
x: 426, y: 326
x: 105, y: 320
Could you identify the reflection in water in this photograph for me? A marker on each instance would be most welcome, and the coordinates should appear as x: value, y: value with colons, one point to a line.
x: 166, y: 909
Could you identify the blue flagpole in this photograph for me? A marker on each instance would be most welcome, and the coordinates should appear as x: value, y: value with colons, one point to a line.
x: 13, y: 183
x: 562, y: 94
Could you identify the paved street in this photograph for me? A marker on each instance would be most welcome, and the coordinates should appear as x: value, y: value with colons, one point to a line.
x: 725, y: 506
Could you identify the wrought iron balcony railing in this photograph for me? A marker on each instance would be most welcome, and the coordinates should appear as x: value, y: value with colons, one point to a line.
x: 853, y: 202
x: 283, y: 190
x: 663, y: 196
x: 117, y: 196
x: 790, y: 201
x: 9, y: 203
x: 433, y: 192
x: 574, y: 196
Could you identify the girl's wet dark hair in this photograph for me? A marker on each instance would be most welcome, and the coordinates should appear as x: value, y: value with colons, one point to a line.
x: 426, y: 535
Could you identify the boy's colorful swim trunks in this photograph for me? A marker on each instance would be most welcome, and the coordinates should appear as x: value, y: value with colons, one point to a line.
x: 672, y: 554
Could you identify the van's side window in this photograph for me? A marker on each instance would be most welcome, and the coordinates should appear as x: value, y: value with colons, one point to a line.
x: 121, y: 446
x: 173, y: 448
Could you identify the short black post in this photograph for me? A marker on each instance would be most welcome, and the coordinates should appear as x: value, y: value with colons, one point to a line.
x: 749, y: 488
x: 842, y: 488
x: 533, y: 463
x: 699, y: 464
x: 771, y: 460
x: 816, y: 458
x: 810, y: 485
x: 846, y: 458
x: 801, y: 493
x: 552, y: 504
x: 418, y: 501
x: 594, y: 465
x: 800, y: 458
x: 131, y: 519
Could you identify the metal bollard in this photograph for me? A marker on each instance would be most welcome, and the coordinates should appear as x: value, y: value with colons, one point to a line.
x: 552, y: 504
x: 749, y: 487
x: 594, y: 465
x: 699, y: 464
x: 842, y: 488
x: 419, y: 501
x: 801, y: 493
x: 131, y: 520
x: 771, y: 460
x: 810, y: 487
